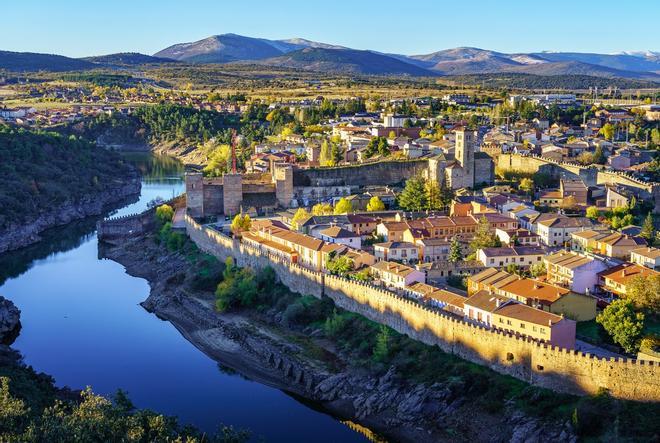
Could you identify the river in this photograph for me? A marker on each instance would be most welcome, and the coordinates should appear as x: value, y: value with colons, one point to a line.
x: 82, y: 324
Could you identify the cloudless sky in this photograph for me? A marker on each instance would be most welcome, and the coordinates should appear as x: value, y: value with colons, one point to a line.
x: 79, y: 28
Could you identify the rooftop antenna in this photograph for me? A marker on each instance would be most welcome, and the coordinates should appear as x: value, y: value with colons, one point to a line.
x: 234, y: 139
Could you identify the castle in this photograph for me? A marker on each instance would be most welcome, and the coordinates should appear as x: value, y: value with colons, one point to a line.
x: 287, y: 186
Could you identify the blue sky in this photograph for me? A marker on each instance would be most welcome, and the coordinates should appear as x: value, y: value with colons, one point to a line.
x: 78, y: 28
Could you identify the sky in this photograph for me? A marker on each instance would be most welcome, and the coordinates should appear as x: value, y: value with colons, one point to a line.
x: 78, y: 28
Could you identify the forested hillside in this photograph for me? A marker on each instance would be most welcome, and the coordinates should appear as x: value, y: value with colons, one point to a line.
x: 39, y: 171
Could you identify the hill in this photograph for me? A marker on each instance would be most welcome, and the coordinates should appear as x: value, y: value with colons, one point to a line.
x: 31, y: 61
x: 580, y: 68
x: 221, y: 49
x: 547, y: 82
x: 636, y: 61
x: 127, y: 59
x: 346, y: 61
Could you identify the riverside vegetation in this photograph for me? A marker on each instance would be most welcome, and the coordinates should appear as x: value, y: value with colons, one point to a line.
x: 335, y: 337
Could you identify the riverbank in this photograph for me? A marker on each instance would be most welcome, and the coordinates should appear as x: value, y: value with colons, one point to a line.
x: 259, y: 346
x: 23, y: 234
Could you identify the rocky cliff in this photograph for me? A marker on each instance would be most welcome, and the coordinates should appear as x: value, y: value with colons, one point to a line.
x: 19, y: 235
x: 388, y: 404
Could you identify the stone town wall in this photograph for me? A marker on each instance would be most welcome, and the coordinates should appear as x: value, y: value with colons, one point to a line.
x: 551, y: 367
x: 369, y: 174
x: 590, y: 175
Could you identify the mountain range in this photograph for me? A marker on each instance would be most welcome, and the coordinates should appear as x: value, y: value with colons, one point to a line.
x: 302, y: 54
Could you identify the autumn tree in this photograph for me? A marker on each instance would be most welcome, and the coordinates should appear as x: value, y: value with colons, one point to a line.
x: 593, y: 213
x: 343, y: 206
x: 607, y: 131
x: 322, y: 209
x: 644, y: 292
x: 526, y: 185
x: 241, y: 223
x: 164, y: 214
x: 375, y: 204
x: 484, y: 237
x: 300, y: 216
x: 432, y: 189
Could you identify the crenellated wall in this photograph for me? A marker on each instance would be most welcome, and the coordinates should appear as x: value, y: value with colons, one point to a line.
x: 368, y: 174
x: 536, y: 363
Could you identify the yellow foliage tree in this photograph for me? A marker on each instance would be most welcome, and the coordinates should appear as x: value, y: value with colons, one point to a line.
x: 300, y: 215
x: 375, y: 204
x: 343, y: 206
x: 240, y: 223
x: 322, y: 209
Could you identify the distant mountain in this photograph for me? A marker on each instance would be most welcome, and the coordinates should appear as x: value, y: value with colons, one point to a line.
x: 345, y: 61
x: 127, y: 59
x: 639, y: 61
x: 30, y: 61
x: 580, y: 68
x: 222, y: 49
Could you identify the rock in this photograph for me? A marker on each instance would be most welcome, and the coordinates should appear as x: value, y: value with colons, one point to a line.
x: 10, y: 318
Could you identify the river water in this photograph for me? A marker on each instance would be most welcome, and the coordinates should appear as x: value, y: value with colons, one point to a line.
x: 82, y: 324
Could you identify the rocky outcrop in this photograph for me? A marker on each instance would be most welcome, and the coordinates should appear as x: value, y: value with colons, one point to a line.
x: 388, y: 404
x: 10, y: 320
x: 23, y: 234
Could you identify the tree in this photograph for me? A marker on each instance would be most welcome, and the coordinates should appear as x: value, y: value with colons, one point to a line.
x: 375, y: 204
x: 432, y: 190
x: 484, y: 237
x: 623, y: 324
x: 343, y: 206
x: 632, y: 204
x: 538, y: 269
x: 336, y: 153
x: 377, y: 146
x: 598, y: 156
x: 322, y: 209
x: 382, y: 348
x: 241, y: 223
x: 391, y: 135
x: 341, y: 265
x: 644, y: 292
x: 568, y: 203
x: 648, y: 230
x: 607, y: 131
x: 593, y: 213
x: 526, y: 185
x: 300, y: 215
x: 325, y: 156
x: 413, y: 197
x: 455, y: 251
x: 164, y: 214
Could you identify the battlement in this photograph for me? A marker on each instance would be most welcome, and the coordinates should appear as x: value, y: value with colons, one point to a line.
x: 542, y: 364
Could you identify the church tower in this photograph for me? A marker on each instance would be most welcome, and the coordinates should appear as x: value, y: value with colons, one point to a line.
x: 464, y: 154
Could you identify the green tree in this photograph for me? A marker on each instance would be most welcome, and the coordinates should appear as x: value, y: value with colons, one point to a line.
x: 375, y: 204
x: 455, y: 251
x: 343, y: 206
x: 623, y: 324
x: 648, y: 230
x: 526, y: 185
x: 644, y: 292
x: 593, y: 213
x: 377, y: 146
x: 484, y: 237
x: 339, y: 265
x: 538, y: 270
x: 325, y: 156
x: 413, y: 197
x: 382, y: 348
x: 300, y: 216
x: 336, y: 153
x: 241, y: 223
x: 598, y: 156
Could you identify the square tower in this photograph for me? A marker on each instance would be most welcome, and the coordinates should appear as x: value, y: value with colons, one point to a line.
x: 232, y: 193
x: 464, y: 153
x: 195, y: 194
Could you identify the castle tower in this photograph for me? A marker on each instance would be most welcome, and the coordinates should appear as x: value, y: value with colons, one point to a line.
x: 232, y: 193
x: 464, y: 153
x: 283, y: 177
x: 195, y: 194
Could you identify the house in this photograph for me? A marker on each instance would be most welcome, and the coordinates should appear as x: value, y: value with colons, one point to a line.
x: 520, y: 236
x: 617, y: 197
x: 551, y: 197
x: 359, y: 258
x: 522, y: 256
x: 433, y: 249
x: 615, y: 280
x: 556, y: 229
x: 575, y: 189
x: 438, y: 298
x: 608, y: 243
x: 536, y: 324
x: 480, y: 306
x: 396, y: 275
x: 362, y: 225
x: 649, y: 257
x: 550, y: 298
x: 489, y: 279
x: 575, y: 271
x: 336, y: 234
x: 391, y: 231
x: 404, y: 252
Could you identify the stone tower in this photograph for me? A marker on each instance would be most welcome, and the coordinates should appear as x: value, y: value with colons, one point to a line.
x: 232, y: 193
x: 464, y: 153
x: 195, y: 194
x: 283, y: 178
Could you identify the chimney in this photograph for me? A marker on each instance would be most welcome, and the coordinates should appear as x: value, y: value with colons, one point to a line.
x: 497, y: 302
x: 549, y: 322
x: 536, y: 286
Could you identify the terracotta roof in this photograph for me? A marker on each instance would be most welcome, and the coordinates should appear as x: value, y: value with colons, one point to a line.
x: 486, y: 301
x: 534, y: 289
x: 337, y: 232
x: 393, y: 268
x: 493, y: 277
x: 528, y: 314
x: 623, y: 273
x: 647, y: 252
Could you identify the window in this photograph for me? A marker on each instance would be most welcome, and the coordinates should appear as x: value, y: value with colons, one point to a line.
x: 522, y: 325
x: 508, y: 322
x: 509, y: 356
x: 542, y: 330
